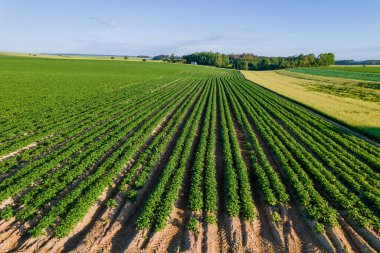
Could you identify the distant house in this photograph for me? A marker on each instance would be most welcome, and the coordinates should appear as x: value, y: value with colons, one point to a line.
x: 193, y: 63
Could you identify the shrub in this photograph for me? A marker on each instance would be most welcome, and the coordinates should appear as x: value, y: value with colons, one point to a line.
x: 6, y: 213
x: 193, y: 225
x: 211, y: 218
x: 319, y: 228
x: 132, y: 195
x: 111, y: 203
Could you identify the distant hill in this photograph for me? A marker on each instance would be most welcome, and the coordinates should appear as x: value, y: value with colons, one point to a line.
x: 353, y: 62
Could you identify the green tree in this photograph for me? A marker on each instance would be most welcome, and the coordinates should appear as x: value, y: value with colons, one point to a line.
x: 326, y: 59
x: 264, y: 64
x: 172, y: 58
x: 218, y: 60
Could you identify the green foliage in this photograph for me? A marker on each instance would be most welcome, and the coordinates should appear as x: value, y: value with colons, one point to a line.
x: 7, y: 213
x: 118, y: 120
x: 358, y: 73
x: 211, y: 218
x: 276, y: 216
x: 319, y: 228
x: 254, y: 62
x: 132, y: 195
x: 111, y: 203
x: 193, y: 225
x: 326, y: 59
x: 208, y: 58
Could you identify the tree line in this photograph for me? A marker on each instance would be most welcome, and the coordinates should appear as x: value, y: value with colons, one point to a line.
x: 252, y: 62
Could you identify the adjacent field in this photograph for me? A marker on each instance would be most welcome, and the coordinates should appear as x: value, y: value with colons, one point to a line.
x: 131, y: 156
x: 358, y: 73
x: 355, y: 103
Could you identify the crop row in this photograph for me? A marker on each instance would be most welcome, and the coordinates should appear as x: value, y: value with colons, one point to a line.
x: 322, y: 177
x: 86, y: 193
x: 160, y: 202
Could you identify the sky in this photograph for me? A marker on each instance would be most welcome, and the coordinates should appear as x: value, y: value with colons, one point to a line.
x: 348, y: 28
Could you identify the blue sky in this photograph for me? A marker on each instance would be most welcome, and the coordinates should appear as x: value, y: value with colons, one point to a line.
x: 350, y: 29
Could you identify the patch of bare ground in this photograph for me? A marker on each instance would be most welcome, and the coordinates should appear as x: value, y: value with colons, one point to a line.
x: 9, y: 234
x: 209, y: 238
x: 370, y: 236
x: 170, y: 238
x: 51, y: 244
x: 360, y: 244
x: 6, y: 202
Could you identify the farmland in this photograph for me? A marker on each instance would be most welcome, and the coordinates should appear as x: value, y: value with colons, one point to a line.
x: 129, y: 156
x: 358, y: 73
x: 356, y: 103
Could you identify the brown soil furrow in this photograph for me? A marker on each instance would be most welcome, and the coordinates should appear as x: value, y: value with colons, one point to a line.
x: 181, y: 238
x: 169, y: 239
x: 296, y: 217
x: 121, y: 234
x: 107, y: 214
x: 51, y: 244
x: 336, y: 236
x: 371, y: 237
x: 223, y: 244
x: 359, y: 244
x: 275, y: 235
x: 210, y: 238
x: 292, y: 242
x: 98, y: 212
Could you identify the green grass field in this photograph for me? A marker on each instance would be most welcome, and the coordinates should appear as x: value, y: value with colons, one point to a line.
x: 358, y: 73
x: 108, y: 153
x: 359, y: 68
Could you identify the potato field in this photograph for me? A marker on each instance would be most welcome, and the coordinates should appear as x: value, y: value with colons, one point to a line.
x: 113, y: 156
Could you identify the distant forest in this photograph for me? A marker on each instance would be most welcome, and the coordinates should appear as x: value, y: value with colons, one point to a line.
x: 250, y: 61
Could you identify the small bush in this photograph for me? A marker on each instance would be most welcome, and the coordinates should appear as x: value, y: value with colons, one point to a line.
x: 111, y: 203
x: 319, y: 228
x: 193, y: 225
x: 276, y: 216
x: 211, y: 218
x: 6, y: 213
x: 132, y: 195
